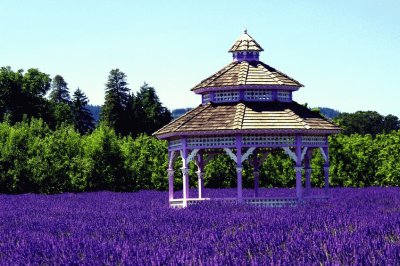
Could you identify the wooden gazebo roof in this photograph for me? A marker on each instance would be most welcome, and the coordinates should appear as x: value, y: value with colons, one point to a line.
x: 245, y: 43
x: 249, y: 116
x: 247, y: 73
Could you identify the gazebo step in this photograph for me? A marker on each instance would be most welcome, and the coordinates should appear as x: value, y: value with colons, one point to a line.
x: 272, y: 202
x: 267, y: 202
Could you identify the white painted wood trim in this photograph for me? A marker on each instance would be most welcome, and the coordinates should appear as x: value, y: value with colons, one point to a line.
x: 231, y: 154
x: 290, y: 153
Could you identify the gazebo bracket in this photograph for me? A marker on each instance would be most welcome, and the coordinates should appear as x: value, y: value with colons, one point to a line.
x: 291, y: 154
x: 192, y: 155
x: 244, y: 157
x: 303, y: 153
x: 172, y: 159
x: 323, y: 154
x: 231, y: 154
x: 247, y: 153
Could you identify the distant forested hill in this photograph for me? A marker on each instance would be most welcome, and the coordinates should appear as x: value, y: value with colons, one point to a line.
x: 95, y: 110
x: 328, y: 112
x: 179, y: 112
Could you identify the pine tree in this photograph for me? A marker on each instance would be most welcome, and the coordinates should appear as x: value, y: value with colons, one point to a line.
x: 60, y: 92
x: 147, y: 112
x: 114, y: 110
x: 83, y: 119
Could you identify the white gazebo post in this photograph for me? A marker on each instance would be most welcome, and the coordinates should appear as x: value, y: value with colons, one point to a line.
x: 185, y: 172
x: 256, y: 173
x: 299, y: 168
x: 170, y: 184
x: 325, y: 154
x: 239, y: 167
x: 200, y: 174
x: 308, y: 170
x: 171, y: 161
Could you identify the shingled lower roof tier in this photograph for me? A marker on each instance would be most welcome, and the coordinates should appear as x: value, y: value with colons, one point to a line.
x: 248, y: 116
x: 248, y: 73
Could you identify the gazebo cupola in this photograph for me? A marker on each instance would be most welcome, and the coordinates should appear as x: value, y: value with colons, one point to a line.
x: 247, y: 112
x: 247, y: 78
x: 245, y: 48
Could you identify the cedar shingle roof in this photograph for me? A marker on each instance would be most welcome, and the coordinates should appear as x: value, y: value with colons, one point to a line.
x: 245, y: 43
x: 247, y: 73
x: 248, y: 116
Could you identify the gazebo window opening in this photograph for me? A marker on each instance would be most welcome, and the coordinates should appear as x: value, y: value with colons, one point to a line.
x: 314, y: 140
x: 174, y: 144
x: 206, y: 98
x: 258, y: 95
x: 226, y: 96
x: 284, y: 96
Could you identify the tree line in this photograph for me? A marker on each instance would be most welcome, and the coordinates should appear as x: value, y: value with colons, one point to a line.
x: 50, y: 144
x: 33, y: 94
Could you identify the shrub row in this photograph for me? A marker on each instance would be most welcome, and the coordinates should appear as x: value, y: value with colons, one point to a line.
x: 35, y: 159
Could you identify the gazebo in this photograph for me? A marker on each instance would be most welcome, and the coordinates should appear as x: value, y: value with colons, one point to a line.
x: 247, y: 111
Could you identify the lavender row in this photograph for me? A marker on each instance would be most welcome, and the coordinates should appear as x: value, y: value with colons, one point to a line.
x: 356, y: 226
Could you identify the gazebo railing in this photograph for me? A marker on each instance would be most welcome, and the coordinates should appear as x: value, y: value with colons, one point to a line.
x: 257, y: 201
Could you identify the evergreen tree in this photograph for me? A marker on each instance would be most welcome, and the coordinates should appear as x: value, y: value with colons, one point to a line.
x: 60, y: 102
x: 83, y: 119
x: 147, y: 111
x: 60, y: 92
x: 114, y: 110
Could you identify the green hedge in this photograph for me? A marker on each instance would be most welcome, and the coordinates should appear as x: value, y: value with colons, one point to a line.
x: 35, y: 159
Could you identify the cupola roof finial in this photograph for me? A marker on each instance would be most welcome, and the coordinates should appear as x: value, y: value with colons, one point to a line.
x: 245, y: 43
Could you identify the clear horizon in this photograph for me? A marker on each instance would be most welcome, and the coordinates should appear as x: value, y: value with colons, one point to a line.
x: 346, y: 53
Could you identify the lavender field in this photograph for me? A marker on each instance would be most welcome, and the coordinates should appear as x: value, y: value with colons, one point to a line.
x: 357, y: 226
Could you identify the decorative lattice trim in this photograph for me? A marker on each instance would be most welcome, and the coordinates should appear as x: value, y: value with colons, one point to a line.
x: 284, y: 96
x: 226, y: 96
x: 313, y: 140
x: 173, y: 144
x: 254, y: 140
x: 206, y: 98
x: 258, y: 95
x: 211, y: 141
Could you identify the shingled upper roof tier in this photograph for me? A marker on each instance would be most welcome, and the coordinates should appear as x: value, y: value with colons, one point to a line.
x: 245, y: 43
x: 247, y: 73
x: 249, y: 117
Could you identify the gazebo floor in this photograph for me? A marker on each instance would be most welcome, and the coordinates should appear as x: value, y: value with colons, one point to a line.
x: 258, y: 201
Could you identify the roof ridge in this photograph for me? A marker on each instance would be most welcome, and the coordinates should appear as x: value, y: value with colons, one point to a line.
x: 177, y: 119
x: 185, y: 122
x: 239, y: 116
x: 299, y: 118
x: 243, y: 73
x: 272, y: 75
x: 281, y: 73
x: 216, y: 75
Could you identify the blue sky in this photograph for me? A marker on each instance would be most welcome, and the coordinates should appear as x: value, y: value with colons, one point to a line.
x: 346, y: 53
